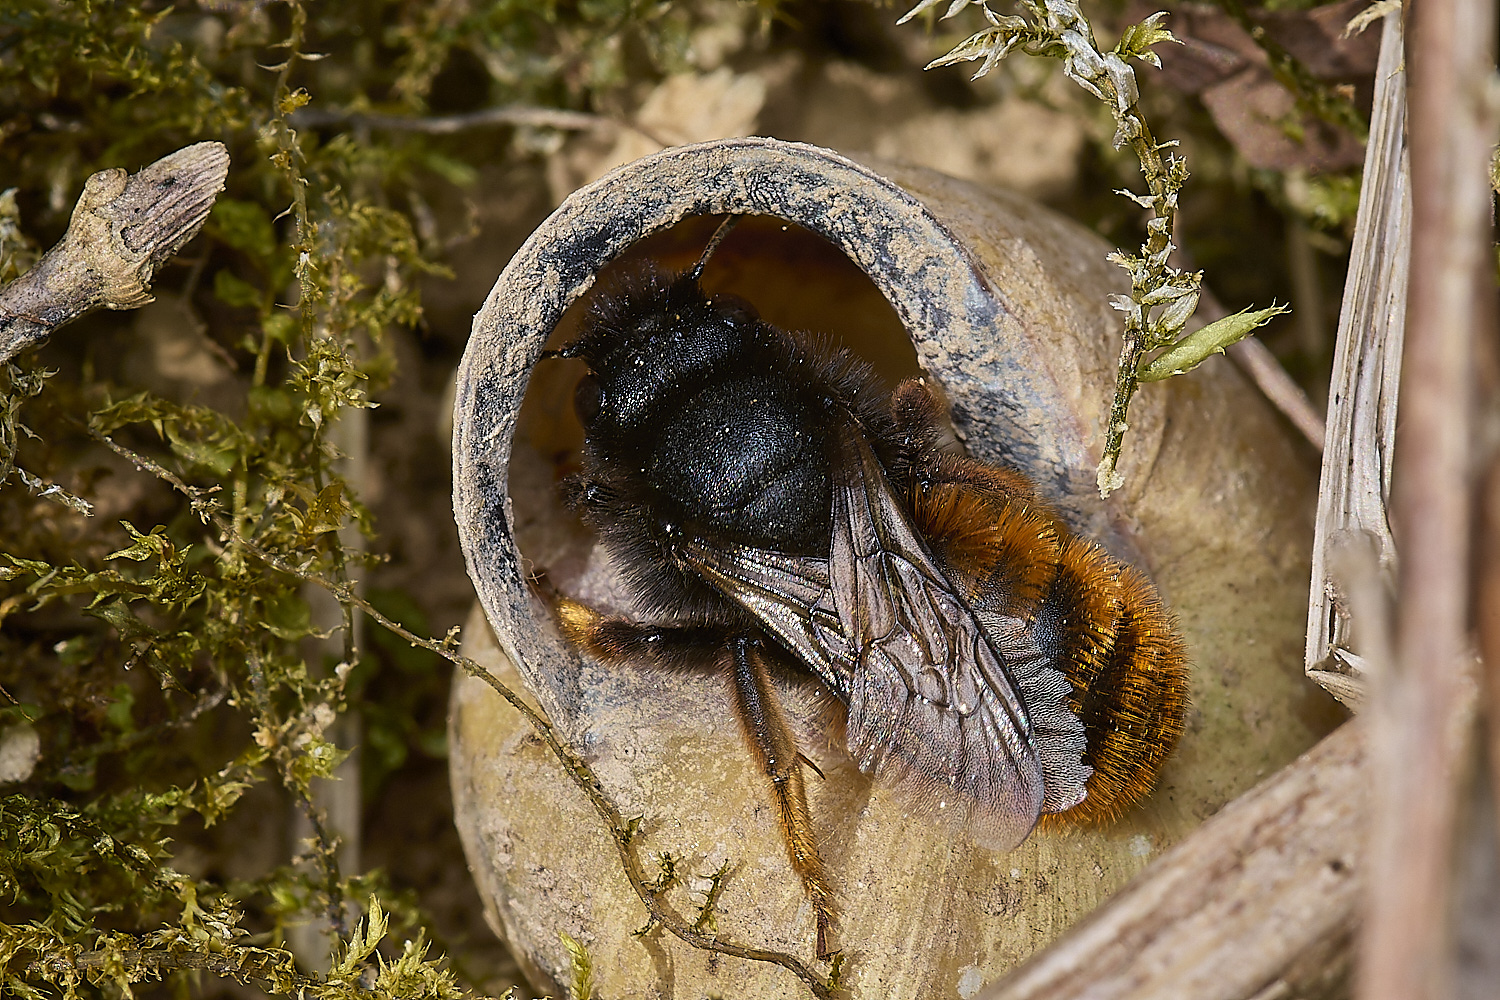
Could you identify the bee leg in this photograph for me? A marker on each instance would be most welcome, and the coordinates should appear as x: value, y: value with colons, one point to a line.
x: 612, y: 639
x: 916, y: 417
x: 771, y: 739
x: 922, y: 462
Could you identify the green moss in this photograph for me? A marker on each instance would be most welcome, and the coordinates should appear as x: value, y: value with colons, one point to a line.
x: 164, y: 661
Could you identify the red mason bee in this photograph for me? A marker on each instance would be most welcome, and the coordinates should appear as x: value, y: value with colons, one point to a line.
x: 773, y: 506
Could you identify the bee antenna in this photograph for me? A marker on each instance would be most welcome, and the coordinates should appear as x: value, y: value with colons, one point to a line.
x: 713, y: 244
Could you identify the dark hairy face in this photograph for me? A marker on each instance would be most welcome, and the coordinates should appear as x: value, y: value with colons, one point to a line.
x: 645, y: 342
x: 690, y: 400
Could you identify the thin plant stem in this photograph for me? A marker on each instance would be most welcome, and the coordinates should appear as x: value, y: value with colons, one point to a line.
x: 621, y: 829
x: 1162, y: 298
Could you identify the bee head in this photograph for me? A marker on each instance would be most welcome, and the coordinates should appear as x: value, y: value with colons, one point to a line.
x: 649, y: 334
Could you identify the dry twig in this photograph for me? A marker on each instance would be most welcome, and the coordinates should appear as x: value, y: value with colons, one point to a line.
x: 123, y: 227
x: 1264, y: 892
x: 510, y: 114
x: 1255, y: 359
x: 1422, y: 724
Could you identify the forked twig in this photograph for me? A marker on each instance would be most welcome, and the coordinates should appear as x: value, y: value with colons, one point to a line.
x: 123, y: 227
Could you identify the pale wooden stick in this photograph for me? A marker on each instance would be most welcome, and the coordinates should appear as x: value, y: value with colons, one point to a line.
x: 1487, y: 612
x: 1263, y: 893
x: 1419, y: 743
x: 1362, y: 395
x: 511, y: 114
x: 122, y: 228
x: 1256, y: 360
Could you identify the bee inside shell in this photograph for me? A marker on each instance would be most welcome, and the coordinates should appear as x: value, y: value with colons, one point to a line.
x: 774, y: 504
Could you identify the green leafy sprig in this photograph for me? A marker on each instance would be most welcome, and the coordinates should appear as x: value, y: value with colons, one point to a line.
x: 87, y: 865
x: 1162, y: 298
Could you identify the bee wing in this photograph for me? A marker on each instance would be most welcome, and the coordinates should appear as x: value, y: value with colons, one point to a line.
x: 959, y: 709
x: 791, y: 596
x: 964, y: 717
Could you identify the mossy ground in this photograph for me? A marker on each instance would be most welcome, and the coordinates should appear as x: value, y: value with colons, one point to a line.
x: 174, y: 693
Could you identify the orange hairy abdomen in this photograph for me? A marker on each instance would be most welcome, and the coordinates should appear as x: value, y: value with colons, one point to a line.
x: 1102, y: 621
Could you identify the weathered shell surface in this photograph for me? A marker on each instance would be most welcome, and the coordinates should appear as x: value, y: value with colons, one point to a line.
x: 1005, y: 304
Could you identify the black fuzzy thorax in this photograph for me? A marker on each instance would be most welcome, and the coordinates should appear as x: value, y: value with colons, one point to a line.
x: 711, y: 426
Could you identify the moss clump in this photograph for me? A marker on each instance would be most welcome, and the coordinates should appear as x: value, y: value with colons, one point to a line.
x: 168, y: 676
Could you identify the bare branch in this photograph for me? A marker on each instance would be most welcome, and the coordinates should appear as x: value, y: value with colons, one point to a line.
x: 510, y: 114
x: 1270, y: 881
x: 1424, y: 725
x: 123, y: 227
x: 1255, y: 359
